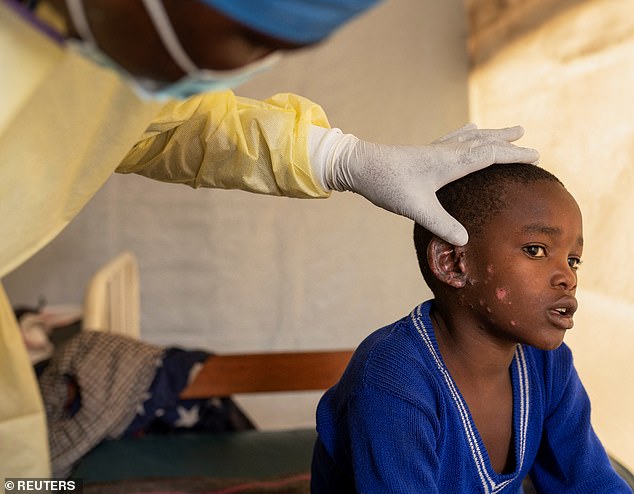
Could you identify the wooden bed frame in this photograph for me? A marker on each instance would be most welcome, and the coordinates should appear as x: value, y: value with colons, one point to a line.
x: 225, y: 375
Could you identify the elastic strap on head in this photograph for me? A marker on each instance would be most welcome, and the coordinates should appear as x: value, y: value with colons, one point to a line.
x: 159, y: 18
x: 80, y: 21
x: 168, y: 36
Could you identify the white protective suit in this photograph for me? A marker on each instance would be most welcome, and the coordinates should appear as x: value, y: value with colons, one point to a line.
x: 65, y: 126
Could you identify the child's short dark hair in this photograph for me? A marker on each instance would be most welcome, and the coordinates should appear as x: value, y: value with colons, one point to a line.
x: 474, y: 199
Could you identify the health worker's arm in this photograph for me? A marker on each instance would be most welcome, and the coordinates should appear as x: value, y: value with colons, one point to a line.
x: 283, y: 146
x: 571, y: 458
x: 224, y: 141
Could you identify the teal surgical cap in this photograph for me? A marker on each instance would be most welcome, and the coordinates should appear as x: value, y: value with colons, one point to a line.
x: 297, y: 21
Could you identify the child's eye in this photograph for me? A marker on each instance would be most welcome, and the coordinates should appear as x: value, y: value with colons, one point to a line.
x: 534, y: 250
x: 574, y: 262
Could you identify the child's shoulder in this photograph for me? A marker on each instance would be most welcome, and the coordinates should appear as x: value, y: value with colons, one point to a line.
x: 387, y: 340
x: 393, y: 358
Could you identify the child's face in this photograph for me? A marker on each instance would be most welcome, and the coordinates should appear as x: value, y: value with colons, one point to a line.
x: 523, y: 267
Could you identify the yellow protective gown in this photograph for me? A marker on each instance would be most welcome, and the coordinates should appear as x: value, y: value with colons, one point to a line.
x: 65, y: 126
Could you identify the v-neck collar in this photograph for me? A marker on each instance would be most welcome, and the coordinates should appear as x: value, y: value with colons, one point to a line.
x: 491, y: 481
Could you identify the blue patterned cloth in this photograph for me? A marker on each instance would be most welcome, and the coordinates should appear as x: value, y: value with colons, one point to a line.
x: 162, y: 410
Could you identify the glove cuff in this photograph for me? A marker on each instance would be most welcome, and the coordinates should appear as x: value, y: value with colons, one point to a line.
x: 328, y: 150
x: 321, y: 142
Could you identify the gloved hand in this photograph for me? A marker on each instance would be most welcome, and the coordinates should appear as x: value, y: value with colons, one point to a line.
x: 404, y: 179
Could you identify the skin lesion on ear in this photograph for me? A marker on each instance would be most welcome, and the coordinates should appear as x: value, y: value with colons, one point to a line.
x: 446, y: 262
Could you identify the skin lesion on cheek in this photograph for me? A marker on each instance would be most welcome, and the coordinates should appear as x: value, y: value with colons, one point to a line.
x: 488, y: 274
x: 502, y: 295
x: 485, y: 306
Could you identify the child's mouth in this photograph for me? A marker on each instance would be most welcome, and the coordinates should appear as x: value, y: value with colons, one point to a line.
x: 562, y: 312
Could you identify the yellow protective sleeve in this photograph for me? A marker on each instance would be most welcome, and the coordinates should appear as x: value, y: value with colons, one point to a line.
x: 23, y: 439
x: 224, y: 141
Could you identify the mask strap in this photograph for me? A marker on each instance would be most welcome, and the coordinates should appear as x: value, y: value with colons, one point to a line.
x: 168, y: 36
x: 80, y: 21
x: 160, y: 20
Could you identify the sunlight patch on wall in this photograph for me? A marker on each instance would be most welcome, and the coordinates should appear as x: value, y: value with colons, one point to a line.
x: 569, y: 80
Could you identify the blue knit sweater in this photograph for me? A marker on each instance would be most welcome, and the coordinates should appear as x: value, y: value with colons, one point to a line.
x: 397, y: 423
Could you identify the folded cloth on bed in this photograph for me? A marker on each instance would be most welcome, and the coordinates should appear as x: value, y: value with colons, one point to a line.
x: 91, y: 390
x: 102, y: 386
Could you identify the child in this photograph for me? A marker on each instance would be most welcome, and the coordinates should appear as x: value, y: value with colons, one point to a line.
x: 475, y: 390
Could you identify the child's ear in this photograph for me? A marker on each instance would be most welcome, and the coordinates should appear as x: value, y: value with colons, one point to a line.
x: 446, y: 262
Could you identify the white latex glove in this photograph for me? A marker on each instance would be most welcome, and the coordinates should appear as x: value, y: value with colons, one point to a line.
x: 404, y: 179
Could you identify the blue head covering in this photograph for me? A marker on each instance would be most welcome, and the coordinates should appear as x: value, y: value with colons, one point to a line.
x: 298, y: 21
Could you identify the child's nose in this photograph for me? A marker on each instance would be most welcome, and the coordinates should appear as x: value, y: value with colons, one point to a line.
x: 564, y: 277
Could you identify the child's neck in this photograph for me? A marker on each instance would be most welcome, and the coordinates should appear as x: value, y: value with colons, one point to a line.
x: 470, y: 350
x: 480, y: 367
